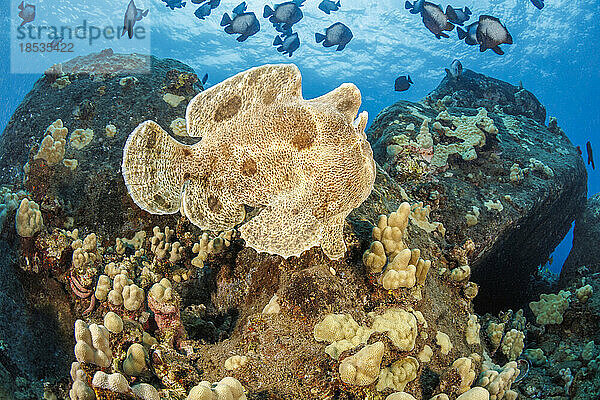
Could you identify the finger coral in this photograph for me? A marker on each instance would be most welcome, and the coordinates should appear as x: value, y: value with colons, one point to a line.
x: 52, y: 148
x: 405, y: 268
x: 305, y: 163
x: 29, y: 219
x: 92, y: 344
x: 80, y: 390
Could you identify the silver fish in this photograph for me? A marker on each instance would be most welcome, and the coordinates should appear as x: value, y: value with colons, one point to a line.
x: 132, y: 15
x: 455, y: 69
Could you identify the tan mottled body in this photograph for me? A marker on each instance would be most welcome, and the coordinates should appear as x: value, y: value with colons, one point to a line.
x: 307, y: 163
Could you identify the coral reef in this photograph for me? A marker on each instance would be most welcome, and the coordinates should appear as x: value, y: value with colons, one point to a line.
x: 506, y: 181
x: 476, y: 90
x: 143, y: 306
x: 80, y: 138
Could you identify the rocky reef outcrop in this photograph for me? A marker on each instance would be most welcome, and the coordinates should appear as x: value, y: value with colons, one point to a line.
x: 473, y: 90
x: 504, y: 180
x: 466, y: 203
x: 104, y: 95
x: 562, y: 343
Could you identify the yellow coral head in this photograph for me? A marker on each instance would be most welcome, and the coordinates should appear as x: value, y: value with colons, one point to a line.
x: 305, y: 163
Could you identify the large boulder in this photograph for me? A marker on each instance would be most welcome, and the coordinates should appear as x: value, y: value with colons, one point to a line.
x: 584, y: 258
x: 104, y: 89
x: 474, y: 90
x: 521, y: 214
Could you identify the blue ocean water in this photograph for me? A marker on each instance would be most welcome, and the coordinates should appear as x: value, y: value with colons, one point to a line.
x: 555, y: 54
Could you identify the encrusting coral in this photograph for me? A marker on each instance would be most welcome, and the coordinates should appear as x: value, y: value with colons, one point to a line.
x: 226, y: 388
x: 362, y: 368
x: 469, y: 130
x: 398, y: 375
x: 306, y: 162
x: 550, y: 308
x: 81, y: 138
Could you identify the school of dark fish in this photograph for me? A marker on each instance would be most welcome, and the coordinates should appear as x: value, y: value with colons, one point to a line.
x: 487, y: 32
x: 245, y: 23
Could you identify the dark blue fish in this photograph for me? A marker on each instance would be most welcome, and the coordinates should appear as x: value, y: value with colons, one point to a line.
x: 240, y: 9
x: 337, y: 34
x: 328, y: 6
x: 470, y: 34
x: 173, y: 4
x: 415, y: 7
x: 402, y: 83
x: 538, y: 3
x: 245, y: 24
x: 288, y: 45
x: 205, y: 78
x: 458, y: 16
x: 590, y: 155
x: 198, y: 1
x: 203, y: 11
x: 285, y: 15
